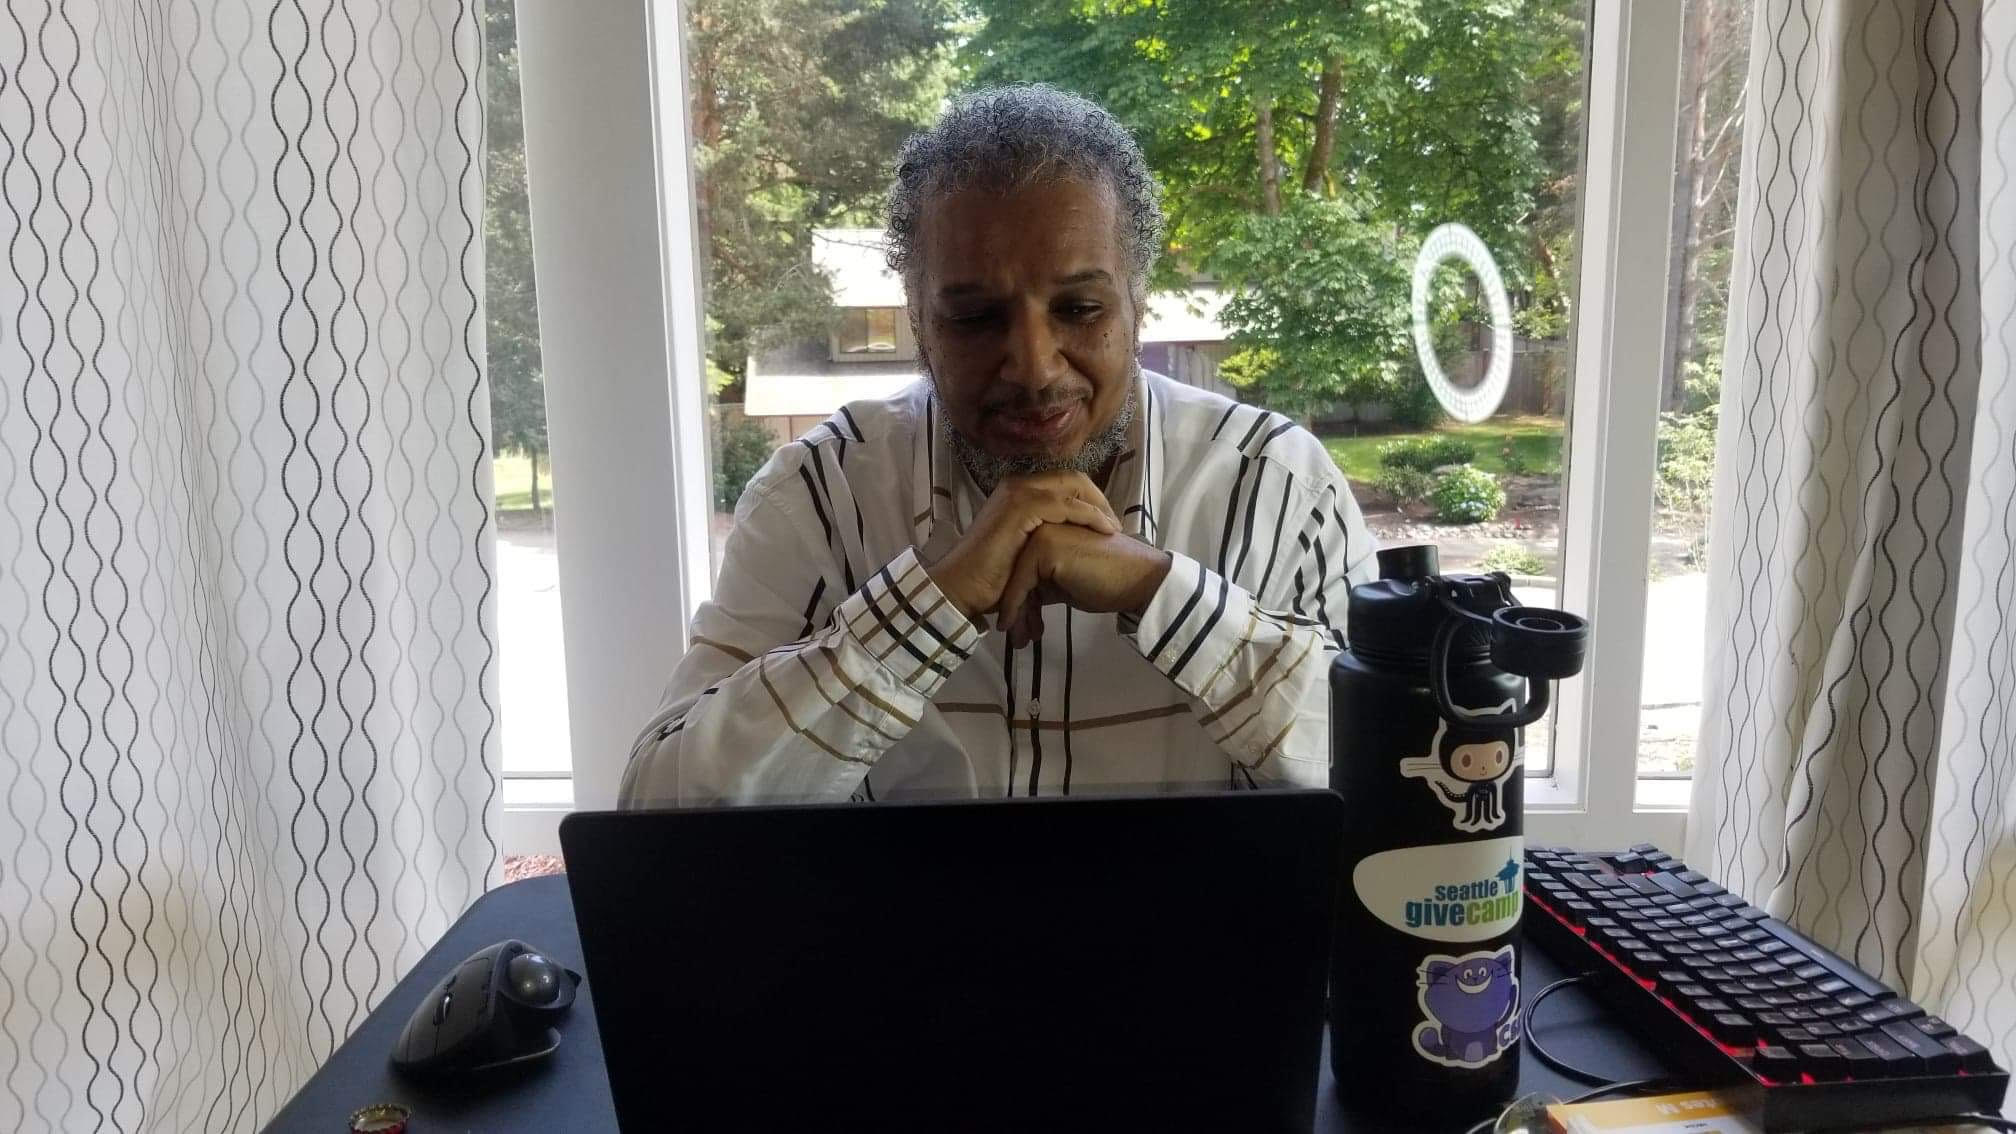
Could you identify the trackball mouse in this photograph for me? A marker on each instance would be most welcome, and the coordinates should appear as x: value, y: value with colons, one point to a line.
x: 497, y: 1007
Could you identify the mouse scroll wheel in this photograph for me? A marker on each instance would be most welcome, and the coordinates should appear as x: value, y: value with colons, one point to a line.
x: 441, y: 1006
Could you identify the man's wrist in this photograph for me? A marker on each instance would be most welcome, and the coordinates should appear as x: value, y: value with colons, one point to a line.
x: 1151, y: 584
x: 946, y: 577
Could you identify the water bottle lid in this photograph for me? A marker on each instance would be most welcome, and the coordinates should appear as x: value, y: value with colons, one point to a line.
x: 1393, y: 620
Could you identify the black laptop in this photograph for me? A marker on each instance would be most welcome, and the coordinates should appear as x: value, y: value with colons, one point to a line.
x: 1111, y: 963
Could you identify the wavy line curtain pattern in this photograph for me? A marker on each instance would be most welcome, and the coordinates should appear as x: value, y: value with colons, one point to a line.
x: 247, y: 627
x: 1859, y: 741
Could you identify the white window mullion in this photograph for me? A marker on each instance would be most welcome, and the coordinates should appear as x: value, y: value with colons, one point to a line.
x: 608, y: 167
x: 1627, y: 195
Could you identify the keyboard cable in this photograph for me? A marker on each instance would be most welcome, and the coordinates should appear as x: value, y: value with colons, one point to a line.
x: 1604, y: 1084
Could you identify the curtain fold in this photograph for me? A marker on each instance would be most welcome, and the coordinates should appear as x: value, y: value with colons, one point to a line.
x: 1856, y: 740
x: 247, y: 615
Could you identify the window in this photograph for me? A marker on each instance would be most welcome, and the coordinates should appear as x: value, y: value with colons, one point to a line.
x: 1548, y: 131
x: 1714, y: 60
x: 868, y: 330
x: 532, y: 677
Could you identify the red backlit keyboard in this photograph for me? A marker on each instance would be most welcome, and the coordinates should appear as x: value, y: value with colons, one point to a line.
x: 1747, y: 1001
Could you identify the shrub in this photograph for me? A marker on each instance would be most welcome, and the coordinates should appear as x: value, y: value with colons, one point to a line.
x: 1466, y: 495
x: 740, y: 448
x: 1426, y: 454
x: 1404, y: 485
x: 1687, y: 461
x: 1513, y: 559
x: 1514, y: 459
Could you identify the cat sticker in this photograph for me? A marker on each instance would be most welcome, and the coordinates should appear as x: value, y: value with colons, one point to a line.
x: 1467, y: 769
x: 1472, y: 1007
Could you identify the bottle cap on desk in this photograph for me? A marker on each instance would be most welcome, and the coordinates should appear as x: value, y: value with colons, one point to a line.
x: 379, y: 1118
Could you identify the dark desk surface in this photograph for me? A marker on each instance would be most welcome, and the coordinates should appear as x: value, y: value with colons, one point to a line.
x: 570, y: 1092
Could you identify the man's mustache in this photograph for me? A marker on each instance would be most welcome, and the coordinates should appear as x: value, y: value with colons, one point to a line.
x: 1038, y: 403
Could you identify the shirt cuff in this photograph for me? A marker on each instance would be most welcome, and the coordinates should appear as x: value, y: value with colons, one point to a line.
x: 1195, y: 621
x: 901, y: 618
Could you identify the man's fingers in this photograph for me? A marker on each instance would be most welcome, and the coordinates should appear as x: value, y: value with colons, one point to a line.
x: 1022, y: 582
x: 1085, y: 513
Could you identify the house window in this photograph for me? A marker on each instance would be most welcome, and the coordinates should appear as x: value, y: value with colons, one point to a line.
x: 867, y: 330
x: 1578, y: 215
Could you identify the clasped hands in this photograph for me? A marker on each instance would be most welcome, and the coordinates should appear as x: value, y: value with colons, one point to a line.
x: 1042, y: 539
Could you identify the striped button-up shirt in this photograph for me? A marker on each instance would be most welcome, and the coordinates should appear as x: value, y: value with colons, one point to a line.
x: 829, y: 666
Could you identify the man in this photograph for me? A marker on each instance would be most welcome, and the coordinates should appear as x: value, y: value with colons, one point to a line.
x: 1164, y: 572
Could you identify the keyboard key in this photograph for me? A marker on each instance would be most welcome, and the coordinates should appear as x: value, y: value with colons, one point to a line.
x: 1713, y: 1005
x: 1752, y: 913
x: 1809, y: 971
x: 1896, y: 1060
x: 1853, y: 1000
x: 1691, y: 992
x: 1972, y: 1056
x: 1767, y: 968
x: 1800, y: 1015
x: 1778, y: 1064
x: 1645, y: 960
x: 1825, y: 959
x: 1730, y: 901
x: 1857, y: 1061
x: 1747, y: 956
x: 1823, y: 1030
x: 1832, y: 985
x: 1761, y: 940
x: 1933, y: 1026
x: 1809, y: 996
x: 1669, y: 979
x: 1753, y: 1005
x: 1674, y: 885
x: 1793, y: 1037
x: 1820, y: 1060
x: 1779, y: 999
x: 1732, y: 1027
x: 1933, y: 1053
x: 1692, y: 877
x: 1896, y: 1008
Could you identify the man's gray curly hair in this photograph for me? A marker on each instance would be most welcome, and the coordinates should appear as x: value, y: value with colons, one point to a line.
x: 1004, y: 137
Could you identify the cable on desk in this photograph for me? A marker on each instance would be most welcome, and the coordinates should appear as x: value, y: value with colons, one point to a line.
x: 1545, y: 1056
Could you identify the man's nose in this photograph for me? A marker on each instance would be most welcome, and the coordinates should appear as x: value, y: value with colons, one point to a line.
x: 1034, y: 358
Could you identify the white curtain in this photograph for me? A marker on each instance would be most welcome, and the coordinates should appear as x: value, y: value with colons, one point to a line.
x: 1859, y: 741
x: 247, y: 629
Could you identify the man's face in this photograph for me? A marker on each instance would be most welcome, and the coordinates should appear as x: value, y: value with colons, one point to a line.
x: 1025, y: 319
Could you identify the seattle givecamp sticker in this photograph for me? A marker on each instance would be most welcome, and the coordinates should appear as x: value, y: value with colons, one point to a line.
x: 1454, y: 892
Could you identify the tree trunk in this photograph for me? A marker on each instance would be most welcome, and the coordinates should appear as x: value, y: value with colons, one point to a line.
x: 1328, y: 91
x: 1682, y: 282
x: 1270, y: 164
x: 536, y: 510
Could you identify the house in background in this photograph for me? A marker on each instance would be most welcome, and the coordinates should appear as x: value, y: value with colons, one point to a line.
x: 871, y: 353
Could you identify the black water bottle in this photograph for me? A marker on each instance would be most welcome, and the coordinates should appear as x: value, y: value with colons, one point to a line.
x: 1428, y: 709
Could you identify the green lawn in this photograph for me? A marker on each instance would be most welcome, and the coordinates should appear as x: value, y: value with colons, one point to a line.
x: 1536, y: 439
x: 513, y: 477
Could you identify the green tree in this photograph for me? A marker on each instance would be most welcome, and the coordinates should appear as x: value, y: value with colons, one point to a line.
x: 511, y: 301
x: 797, y: 108
x: 1393, y: 115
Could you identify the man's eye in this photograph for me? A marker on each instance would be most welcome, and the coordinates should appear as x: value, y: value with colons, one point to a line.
x: 1081, y: 310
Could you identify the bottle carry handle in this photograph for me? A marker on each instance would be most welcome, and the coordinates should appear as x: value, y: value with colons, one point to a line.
x: 1528, y: 641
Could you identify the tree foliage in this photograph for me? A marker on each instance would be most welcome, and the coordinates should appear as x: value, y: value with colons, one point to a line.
x: 511, y: 302
x: 1307, y: 146
x: 797, y: 107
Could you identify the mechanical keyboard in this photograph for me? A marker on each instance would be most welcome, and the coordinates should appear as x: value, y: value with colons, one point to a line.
x: 1743, y: 999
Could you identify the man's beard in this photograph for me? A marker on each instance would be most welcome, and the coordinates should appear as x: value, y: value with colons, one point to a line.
x: 988, y: 470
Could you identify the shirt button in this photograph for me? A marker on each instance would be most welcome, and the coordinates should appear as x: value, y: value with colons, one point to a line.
x: 1035, y: 707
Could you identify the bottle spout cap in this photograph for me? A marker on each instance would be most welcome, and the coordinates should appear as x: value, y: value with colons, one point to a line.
x: 1409, y: 561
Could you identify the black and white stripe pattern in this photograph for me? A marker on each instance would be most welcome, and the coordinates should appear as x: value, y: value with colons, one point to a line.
x: 1859, y: 744
x: 247, y: 630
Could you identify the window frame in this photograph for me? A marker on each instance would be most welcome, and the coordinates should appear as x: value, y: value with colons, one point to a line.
x: 608, y: 154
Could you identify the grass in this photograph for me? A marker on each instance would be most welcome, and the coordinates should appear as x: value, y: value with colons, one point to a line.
x: 513, y: 477
x: 1537, y: 440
